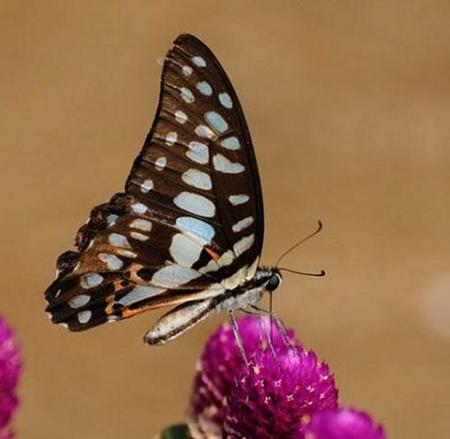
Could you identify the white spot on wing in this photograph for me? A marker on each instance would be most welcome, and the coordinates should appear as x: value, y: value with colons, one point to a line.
x: 139, y: 236
x: 160, y: 163
x: 84, y: 316
x: 204, y: 131
x: 138, y: 293
x: 126, y: 253
x: 181, y: 116
x: 187, y: 70
x: 111, y: 219
x: 141, y: 224
x: 196, y: 227
x: 194, y: 203
x: 209, y: 267
x: 174, y: 275
x: 118, y: 240
x: 139, y: 208
x: 235, y: 279
x: 204, y: 88
x: 146, y: 186
x: 187, y: 95
x: 171, y: 138
x: 243, y: 244
x: 90, y: 280
x: 252, y: 270
x: 225, y: 100
x: 226, y: 259
x: 231, y: 143
x: 111, y: 261
x: 197, y: 179
x: 216, y: 121
x: 242, y: 224
x: 184, y: 250
x: 236, y: 200
x: 79, y: 301
x: 198, y: 153
x: 222, y: 164
x: 199, y: 61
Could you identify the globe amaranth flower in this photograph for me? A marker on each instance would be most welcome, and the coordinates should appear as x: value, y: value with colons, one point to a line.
x: 6, y: 434
x: 272, y: 397
x: 10, y: 366
x: 219, y: 365
x: 344, y: 423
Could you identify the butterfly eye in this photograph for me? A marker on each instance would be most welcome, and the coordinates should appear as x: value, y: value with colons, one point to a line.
x: 273, y: 283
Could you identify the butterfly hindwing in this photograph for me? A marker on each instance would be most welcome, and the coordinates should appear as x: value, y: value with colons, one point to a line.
x: 190, y: 223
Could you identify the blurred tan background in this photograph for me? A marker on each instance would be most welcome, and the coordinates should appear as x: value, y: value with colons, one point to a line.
x: 348, y: 103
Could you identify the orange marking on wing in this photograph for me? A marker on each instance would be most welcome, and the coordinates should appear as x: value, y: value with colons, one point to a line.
x: 212, y: 253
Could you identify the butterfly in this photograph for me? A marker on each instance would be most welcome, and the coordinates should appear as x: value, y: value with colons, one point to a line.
x: 188, y: 229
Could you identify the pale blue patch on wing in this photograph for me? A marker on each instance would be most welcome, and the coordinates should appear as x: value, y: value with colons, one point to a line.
x: 118, y: 240
x: 231, y: 143
x: 184, y: 250
x: 204, y: 131
x: 199, y: 61
x: 84, y: 316
x: 196, y: 227
x: 173, y: 276
x: 225, y: 100
x: 204, y: 88
x: 139, y: 208
x: 138, y: 293
x: 195, y: 203
x: 187, y: 95
x: 197, y: 179
x: 198, y: 152
x: 222, y: 164
x: 79, y: 300
x: 111, y: 219
x: 238, y: 199
x: 216, y: 121
x: 111, y: 261
x: 187, y: 70
x: 90, y: 280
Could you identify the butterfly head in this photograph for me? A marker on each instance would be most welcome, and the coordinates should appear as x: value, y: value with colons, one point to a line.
x: 274, y: 281
x: 269, y: 277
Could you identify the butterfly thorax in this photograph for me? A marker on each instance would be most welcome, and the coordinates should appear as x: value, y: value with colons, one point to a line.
x: 240, y: 298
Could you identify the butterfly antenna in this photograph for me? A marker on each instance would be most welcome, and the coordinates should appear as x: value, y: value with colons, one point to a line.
x: 321, y: 273
x: 319, y: 228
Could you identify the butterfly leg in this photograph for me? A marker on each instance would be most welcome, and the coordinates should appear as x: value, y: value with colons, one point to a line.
x: 262, y: 329
x: 278, y: 322
x: 238, y: 338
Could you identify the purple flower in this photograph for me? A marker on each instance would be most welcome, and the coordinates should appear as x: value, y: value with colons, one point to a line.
x: 6, y: 434
x: 273, y: 396
x: 344, y: 423
x: 10, y: 366
x: 218, y: 368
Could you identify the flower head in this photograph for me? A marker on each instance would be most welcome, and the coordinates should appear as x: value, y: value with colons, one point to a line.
x: 219, y: 365
x: 274, y: 395
x: 6, y: 434
x: 10, y: 366
x: 344, y: 423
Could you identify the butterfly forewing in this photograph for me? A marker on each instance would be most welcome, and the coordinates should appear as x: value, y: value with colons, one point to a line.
x: 190, y: 223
